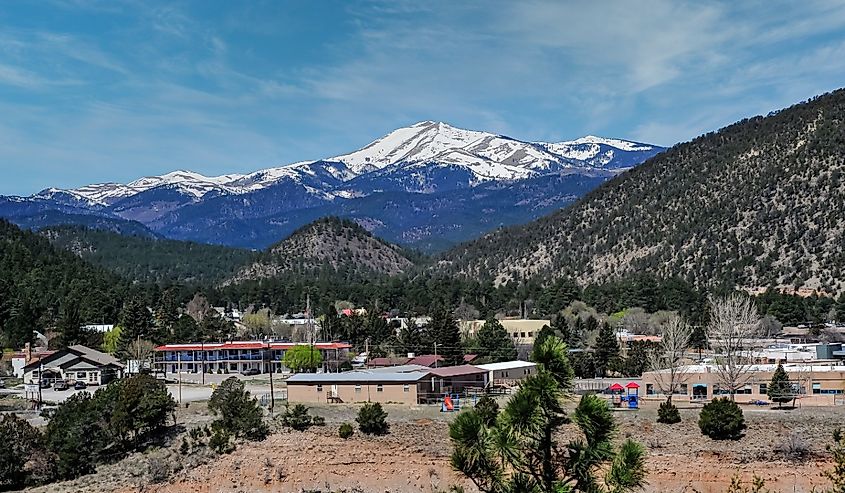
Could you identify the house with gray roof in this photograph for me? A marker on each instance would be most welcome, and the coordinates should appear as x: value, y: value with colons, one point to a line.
x: 75, y: 364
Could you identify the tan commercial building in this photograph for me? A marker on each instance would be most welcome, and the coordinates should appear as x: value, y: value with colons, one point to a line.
x: 814, y: 384
x: 410, y: 384
x: 522, y: 331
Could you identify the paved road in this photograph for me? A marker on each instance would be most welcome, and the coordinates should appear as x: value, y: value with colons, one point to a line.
x: 189, y: 392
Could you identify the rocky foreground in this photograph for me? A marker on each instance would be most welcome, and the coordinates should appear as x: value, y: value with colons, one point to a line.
x: 414, y: 457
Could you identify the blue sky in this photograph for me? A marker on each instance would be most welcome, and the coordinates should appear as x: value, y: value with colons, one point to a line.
x: 94, y: 91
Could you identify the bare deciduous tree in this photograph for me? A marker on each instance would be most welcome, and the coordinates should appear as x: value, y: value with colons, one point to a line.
x: 667, y: 360
x: 140, y: 351
x: 734, y: 324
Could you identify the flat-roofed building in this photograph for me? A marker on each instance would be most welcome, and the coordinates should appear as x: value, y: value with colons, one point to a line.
x: 522, y: 330
x: 239, y: 356
x: 508, y: 372
x: 813, y: 383
x: 407, y: 384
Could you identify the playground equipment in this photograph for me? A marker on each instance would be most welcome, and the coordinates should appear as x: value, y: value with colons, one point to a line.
x: 631, y: 398
x: 450, y: 403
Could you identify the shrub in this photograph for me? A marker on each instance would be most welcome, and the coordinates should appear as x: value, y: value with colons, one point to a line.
x: 794, y: 447
x: 318, y: 421
x: 237, y: 411
x: 297, y: 418
x: 20, y: 440
x: 372, y: 420
x: 722, y: 419
x: 185, y: 447
x: 221, y: 441
x: 668, y: 413
x: 345, y: 431
x: 487, y: 409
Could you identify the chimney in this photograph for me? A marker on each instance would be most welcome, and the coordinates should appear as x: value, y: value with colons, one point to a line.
x: 27, y: 352
x: 411, y: 355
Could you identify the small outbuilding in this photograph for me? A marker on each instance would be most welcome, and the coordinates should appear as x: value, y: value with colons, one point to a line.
x: 407, y: 384
x: 508, y: 372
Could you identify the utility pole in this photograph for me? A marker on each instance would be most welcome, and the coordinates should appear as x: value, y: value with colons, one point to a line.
x: 40, y: 378
x: 310, y: 332
x: 272, y: 395
x: 435, y: 354
x: 179, y: 372
x: 202, y: 357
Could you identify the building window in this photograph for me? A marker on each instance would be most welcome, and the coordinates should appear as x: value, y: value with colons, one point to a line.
x: 764, y: 388
x: 379, y: 388
x: 530, y: 334
x: 649, y: 389
x: 319, y: 388
x: 81, y: 375
x: 406, y: 388
x: 515, y: 335
x: 522, y: 334
x: 684, y: 390
x: 357, y: 388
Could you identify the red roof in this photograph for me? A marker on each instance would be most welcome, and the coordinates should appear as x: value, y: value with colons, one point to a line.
x: 469, y: 357
x: 381, y: 362
x: 215, y: 346
x: 632, y: 385
x: 616, y: 387
x: 425, y: 360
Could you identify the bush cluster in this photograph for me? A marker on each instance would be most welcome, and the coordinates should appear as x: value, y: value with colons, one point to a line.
x: 722, y: 419
x: 668, y: 414
x: 372, y: 419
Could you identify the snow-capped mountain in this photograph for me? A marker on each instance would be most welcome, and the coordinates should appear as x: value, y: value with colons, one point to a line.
x: 425, y: 158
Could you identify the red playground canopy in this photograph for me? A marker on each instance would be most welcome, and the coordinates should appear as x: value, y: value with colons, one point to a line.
x: 632, y: 385
x: 615, y: 388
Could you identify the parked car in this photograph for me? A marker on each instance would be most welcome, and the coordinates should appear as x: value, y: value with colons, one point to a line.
x: 60, y: 385
x: 250, y: 371
x: 45, y: 384
x: 80, y: 386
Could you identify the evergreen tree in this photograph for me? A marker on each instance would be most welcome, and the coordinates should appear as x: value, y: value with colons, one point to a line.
x: 410, y: 339
x: 606, y: 351
x: 698, y: 339
x: 520, y: 452
x: 70, y: 324
x: 136, y: 322
x: 23, y: 321
x: 780, y: 388
x: 546, y: 332
x: 576, y: 336
x: 493, y: 344
x: 166, y: 315
x: 445, y: 332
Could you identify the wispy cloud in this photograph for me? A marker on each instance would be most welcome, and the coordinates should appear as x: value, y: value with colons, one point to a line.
x: 112, y: 90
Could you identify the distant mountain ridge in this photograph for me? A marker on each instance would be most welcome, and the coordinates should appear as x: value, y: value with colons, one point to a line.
x: 426, y: 158
x: 758, y: 203
x: 328, y: 248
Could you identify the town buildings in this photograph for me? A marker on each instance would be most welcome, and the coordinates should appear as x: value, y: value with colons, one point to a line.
x: 814, y: 383
x: 239, y: 356
x: 74, y: 363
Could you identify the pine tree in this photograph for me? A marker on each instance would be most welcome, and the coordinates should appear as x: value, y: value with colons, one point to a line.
x: 780, y: 388
x: 493, y: 344
x: 445, y: 332
x: 575, y: 337
x: 70, y: 324
x: 166, y: 314
x: 606, y: 351
x: 136, y: 322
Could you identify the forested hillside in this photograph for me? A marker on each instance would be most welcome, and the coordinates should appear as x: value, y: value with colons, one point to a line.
x: 757, y: 203
x: 329, y: 248
x: 40, y: 284
x: 149, y: 259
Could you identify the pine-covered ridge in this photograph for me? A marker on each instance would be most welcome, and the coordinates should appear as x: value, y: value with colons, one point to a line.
x: 329, y: 247
x: 760, y: 202
x: 150, y: 259
x: 38, y: 281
